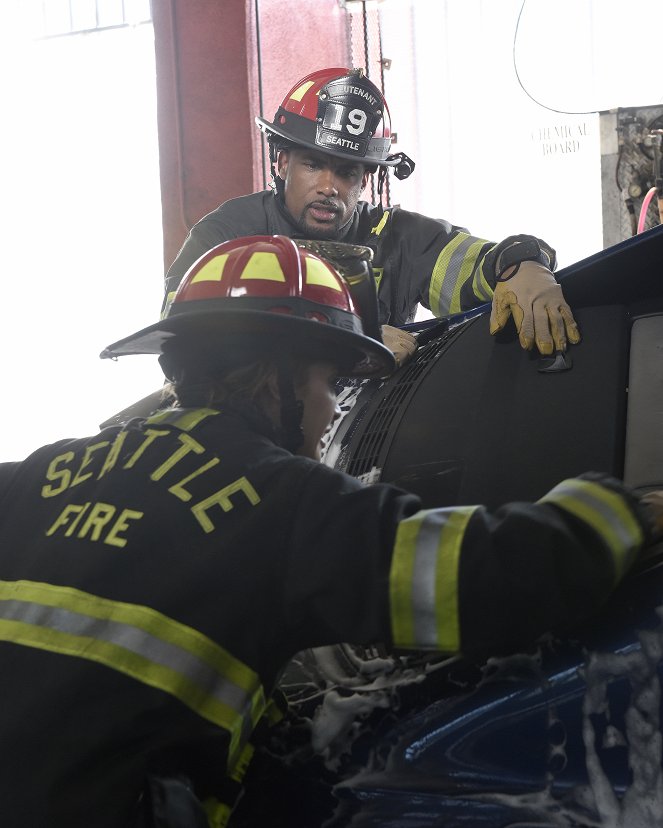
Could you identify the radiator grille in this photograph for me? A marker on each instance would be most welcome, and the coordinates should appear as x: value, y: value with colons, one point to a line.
x: 370, y: 440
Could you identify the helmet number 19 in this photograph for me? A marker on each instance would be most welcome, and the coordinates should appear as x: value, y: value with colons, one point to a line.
x: 356, y: 119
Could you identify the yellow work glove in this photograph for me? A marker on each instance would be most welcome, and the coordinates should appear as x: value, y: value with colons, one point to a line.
x: 654, y: 502
x: 401, y: 343
x: 540, y: 312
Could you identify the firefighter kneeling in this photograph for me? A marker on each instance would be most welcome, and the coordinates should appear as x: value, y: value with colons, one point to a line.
x: 133, y: 677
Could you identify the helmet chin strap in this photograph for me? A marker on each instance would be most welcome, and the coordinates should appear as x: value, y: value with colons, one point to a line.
x: 292, y: 409
x: 402, y: 170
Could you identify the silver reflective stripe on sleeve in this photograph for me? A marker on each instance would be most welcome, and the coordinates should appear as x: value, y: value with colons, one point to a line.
x: 606, y: 512
x: 139, y: 642
x: 454, y: 266
x: 424, y: 579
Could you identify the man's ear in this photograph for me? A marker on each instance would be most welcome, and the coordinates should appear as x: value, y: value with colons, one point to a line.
x: 282, y: 161
x: 364, y: 180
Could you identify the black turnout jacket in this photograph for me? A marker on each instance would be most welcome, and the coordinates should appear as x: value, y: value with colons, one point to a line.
x: 417, y: 259
x: 155, y: 579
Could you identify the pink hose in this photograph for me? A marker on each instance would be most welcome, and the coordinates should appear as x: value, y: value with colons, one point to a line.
x: 643, y: 210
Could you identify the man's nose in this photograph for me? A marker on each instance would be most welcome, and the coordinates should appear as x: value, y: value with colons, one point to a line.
x: 327, y: 182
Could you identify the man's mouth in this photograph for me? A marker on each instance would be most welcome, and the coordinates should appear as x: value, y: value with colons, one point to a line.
x: 322, y: 212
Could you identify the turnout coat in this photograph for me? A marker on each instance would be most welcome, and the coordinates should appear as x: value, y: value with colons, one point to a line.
x: 156, y: 577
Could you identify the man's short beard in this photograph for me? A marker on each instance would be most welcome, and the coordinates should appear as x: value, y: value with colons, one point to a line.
x: 333, y: 232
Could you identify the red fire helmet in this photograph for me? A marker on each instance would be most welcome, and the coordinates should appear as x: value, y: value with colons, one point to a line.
x: 262, y: 294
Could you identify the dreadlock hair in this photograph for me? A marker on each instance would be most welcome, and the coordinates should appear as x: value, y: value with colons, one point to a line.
x: 276, y: 144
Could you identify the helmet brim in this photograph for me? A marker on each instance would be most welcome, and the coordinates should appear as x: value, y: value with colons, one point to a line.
x: 213, y: 334
x: 269, y: 128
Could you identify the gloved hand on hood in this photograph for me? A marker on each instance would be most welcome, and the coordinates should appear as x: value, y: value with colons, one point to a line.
x: 530, y: 293
x: 654, y: 502
x: 401, y: 343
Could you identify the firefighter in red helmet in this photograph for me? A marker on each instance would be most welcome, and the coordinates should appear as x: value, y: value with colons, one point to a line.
x: 158, y: 575
x: 330, y: 133
x: 342, y: 113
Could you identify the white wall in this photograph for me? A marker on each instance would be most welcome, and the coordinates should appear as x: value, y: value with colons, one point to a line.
x: 81, y: 245
x: 490, y: 155
x: 80, y: 214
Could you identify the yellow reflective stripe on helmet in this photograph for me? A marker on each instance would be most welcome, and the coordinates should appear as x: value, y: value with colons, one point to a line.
x: 606, y: 512
x: 424, y: 579
x: 263, y: 265
x: 211, y: 271
x: 454, y: 266
x: 182, y: 418
x: 318, y: 273
x: 139, y: 642
x: 299, y: 93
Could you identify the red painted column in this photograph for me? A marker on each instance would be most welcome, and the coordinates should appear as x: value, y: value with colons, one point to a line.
x: 218, y: 65
x: 204, y: 120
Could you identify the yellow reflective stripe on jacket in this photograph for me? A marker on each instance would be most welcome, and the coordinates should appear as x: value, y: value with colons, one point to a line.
x: 139, y: 642
x: 454, y: 266
x: 166, y: 305
x: 379, y: 227
x: 480, y: 286
x: 606, y: 512
x: 182, y: 418
x: 218, y: 813
x: 423, y: 580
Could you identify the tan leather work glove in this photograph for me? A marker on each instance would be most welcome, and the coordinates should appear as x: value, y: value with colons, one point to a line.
x: 654, y: 502
x: 540, y: 312
x: 401, y: 343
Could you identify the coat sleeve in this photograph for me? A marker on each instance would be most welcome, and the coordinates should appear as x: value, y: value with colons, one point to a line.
x: 466, y: 580
x: 465, y: 275
x: 458, y: 579
x: 440, y: 265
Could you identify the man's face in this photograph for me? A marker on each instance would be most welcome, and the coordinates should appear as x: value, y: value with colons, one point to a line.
x: 318, y: 393
x: 321, y: 191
